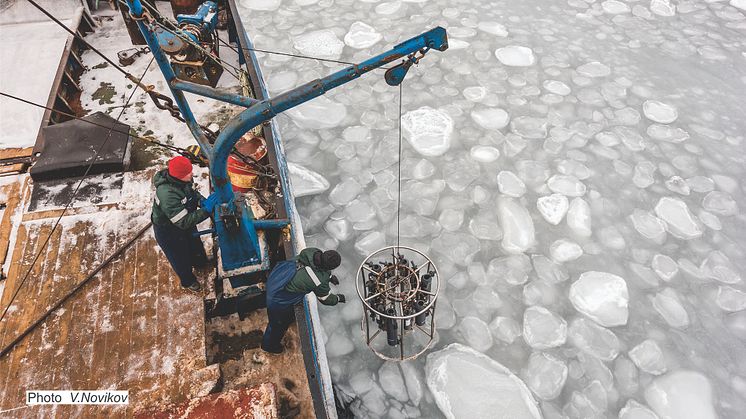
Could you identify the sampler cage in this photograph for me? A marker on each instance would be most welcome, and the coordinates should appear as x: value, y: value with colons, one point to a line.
x: 399, y: 287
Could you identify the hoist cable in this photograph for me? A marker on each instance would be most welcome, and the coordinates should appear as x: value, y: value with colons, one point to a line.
x: 287, y: 54
x: 69, y: 115
x: 398, y: 200
x: 72, y: 198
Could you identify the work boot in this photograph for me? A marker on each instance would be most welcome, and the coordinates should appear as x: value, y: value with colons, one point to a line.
x: 196, y: 287
x: 275, y: 351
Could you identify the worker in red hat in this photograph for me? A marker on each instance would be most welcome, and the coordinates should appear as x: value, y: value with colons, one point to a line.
x: 177, y: 209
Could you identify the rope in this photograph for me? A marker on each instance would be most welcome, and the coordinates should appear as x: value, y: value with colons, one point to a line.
x: 182, y: 151
x: 287, y: 54
x: 72, y: 198
x: 398, y: 200
x: 69, y: 115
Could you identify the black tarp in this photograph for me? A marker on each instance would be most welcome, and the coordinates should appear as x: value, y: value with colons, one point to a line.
x: 70, y: 147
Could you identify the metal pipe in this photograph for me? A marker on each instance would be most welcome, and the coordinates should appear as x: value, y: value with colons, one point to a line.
x: 209, y: 92
x: 271, y: 224
x: 136, y: 11
x: 267, y: 109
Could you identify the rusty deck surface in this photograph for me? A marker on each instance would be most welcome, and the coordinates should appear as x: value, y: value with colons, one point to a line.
x: 258, y: 402
x: 131, y: 328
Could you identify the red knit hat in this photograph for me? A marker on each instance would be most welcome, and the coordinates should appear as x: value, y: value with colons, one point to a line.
x: 179, y: 167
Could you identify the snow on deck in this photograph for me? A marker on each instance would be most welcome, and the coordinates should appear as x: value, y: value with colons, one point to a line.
x: 132, y: 327
x: 30, y: 56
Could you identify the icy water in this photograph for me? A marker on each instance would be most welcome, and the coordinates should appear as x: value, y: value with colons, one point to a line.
x: 576, y: 170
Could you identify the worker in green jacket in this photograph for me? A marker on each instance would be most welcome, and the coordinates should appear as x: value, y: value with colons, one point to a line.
x: 175, y: 216
x: 289, y: 282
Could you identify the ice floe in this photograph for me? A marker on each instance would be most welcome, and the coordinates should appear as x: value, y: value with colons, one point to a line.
x: 543, y: 329
x: 428, y: 130
x: 681, y: 394
x: 516, y: 56
x: 660, y: 112
x: 679, y: 221
x: 305, y: 181
x: 546, y: 375
x: 322, y: 44
x: 564, y: 250
x: 464, y: 383
x: 668, y: 305
x: 517, y: 226
x: 553, y: 207
x: 601, y: 296
x: 361, y: 36
x: 490, y: 118
x: 648, y: 357
x: 509, y: 184
x: 566, y: 185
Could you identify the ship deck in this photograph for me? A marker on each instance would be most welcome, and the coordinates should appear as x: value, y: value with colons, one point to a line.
x: 132, y: 327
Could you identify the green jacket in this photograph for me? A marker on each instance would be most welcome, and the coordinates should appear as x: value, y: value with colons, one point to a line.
x: 175, y: 202
x: 304, y: 282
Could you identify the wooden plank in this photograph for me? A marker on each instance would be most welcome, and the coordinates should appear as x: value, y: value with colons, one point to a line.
x: 58, y: 325
x: 37, y: 294
x: 12, y: 153
x: 144, y: 339
x: 6, y: 226
x: 107, y: 355
x: 124, y: 343
x: 15, y: 318
x: 12, y: 169
x: 105, y: 331
x: 56, y: 213
x: 164, y: 314
x: 67, y: 274
x: 7, y: 362
x: 81, y: 343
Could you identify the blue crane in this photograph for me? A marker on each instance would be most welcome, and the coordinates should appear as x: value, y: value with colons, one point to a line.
x: 191, y: 68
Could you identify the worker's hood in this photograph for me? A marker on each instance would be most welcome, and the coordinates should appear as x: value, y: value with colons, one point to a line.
x: 306, y: 256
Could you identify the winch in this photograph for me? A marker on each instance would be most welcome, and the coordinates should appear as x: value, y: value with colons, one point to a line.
x: 194, y: 54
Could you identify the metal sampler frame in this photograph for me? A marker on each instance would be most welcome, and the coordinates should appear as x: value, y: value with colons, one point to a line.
x: 399, y: 288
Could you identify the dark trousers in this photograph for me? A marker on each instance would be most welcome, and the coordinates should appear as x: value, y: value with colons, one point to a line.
x: 280, y: 318
x: 183, y: 250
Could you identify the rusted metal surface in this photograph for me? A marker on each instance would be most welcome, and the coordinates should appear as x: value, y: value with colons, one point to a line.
x: 258, y: 402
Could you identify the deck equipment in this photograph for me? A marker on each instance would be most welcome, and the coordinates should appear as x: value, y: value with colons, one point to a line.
x: 187, y: 55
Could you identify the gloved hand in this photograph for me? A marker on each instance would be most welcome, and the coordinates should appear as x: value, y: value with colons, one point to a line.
x: 208, y: 204
x: 334, y: 280
x: 341, y: 298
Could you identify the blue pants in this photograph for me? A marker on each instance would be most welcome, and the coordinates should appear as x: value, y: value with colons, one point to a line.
x: 183, y: 250
x: 280, y: 303
x: 280, y: 318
